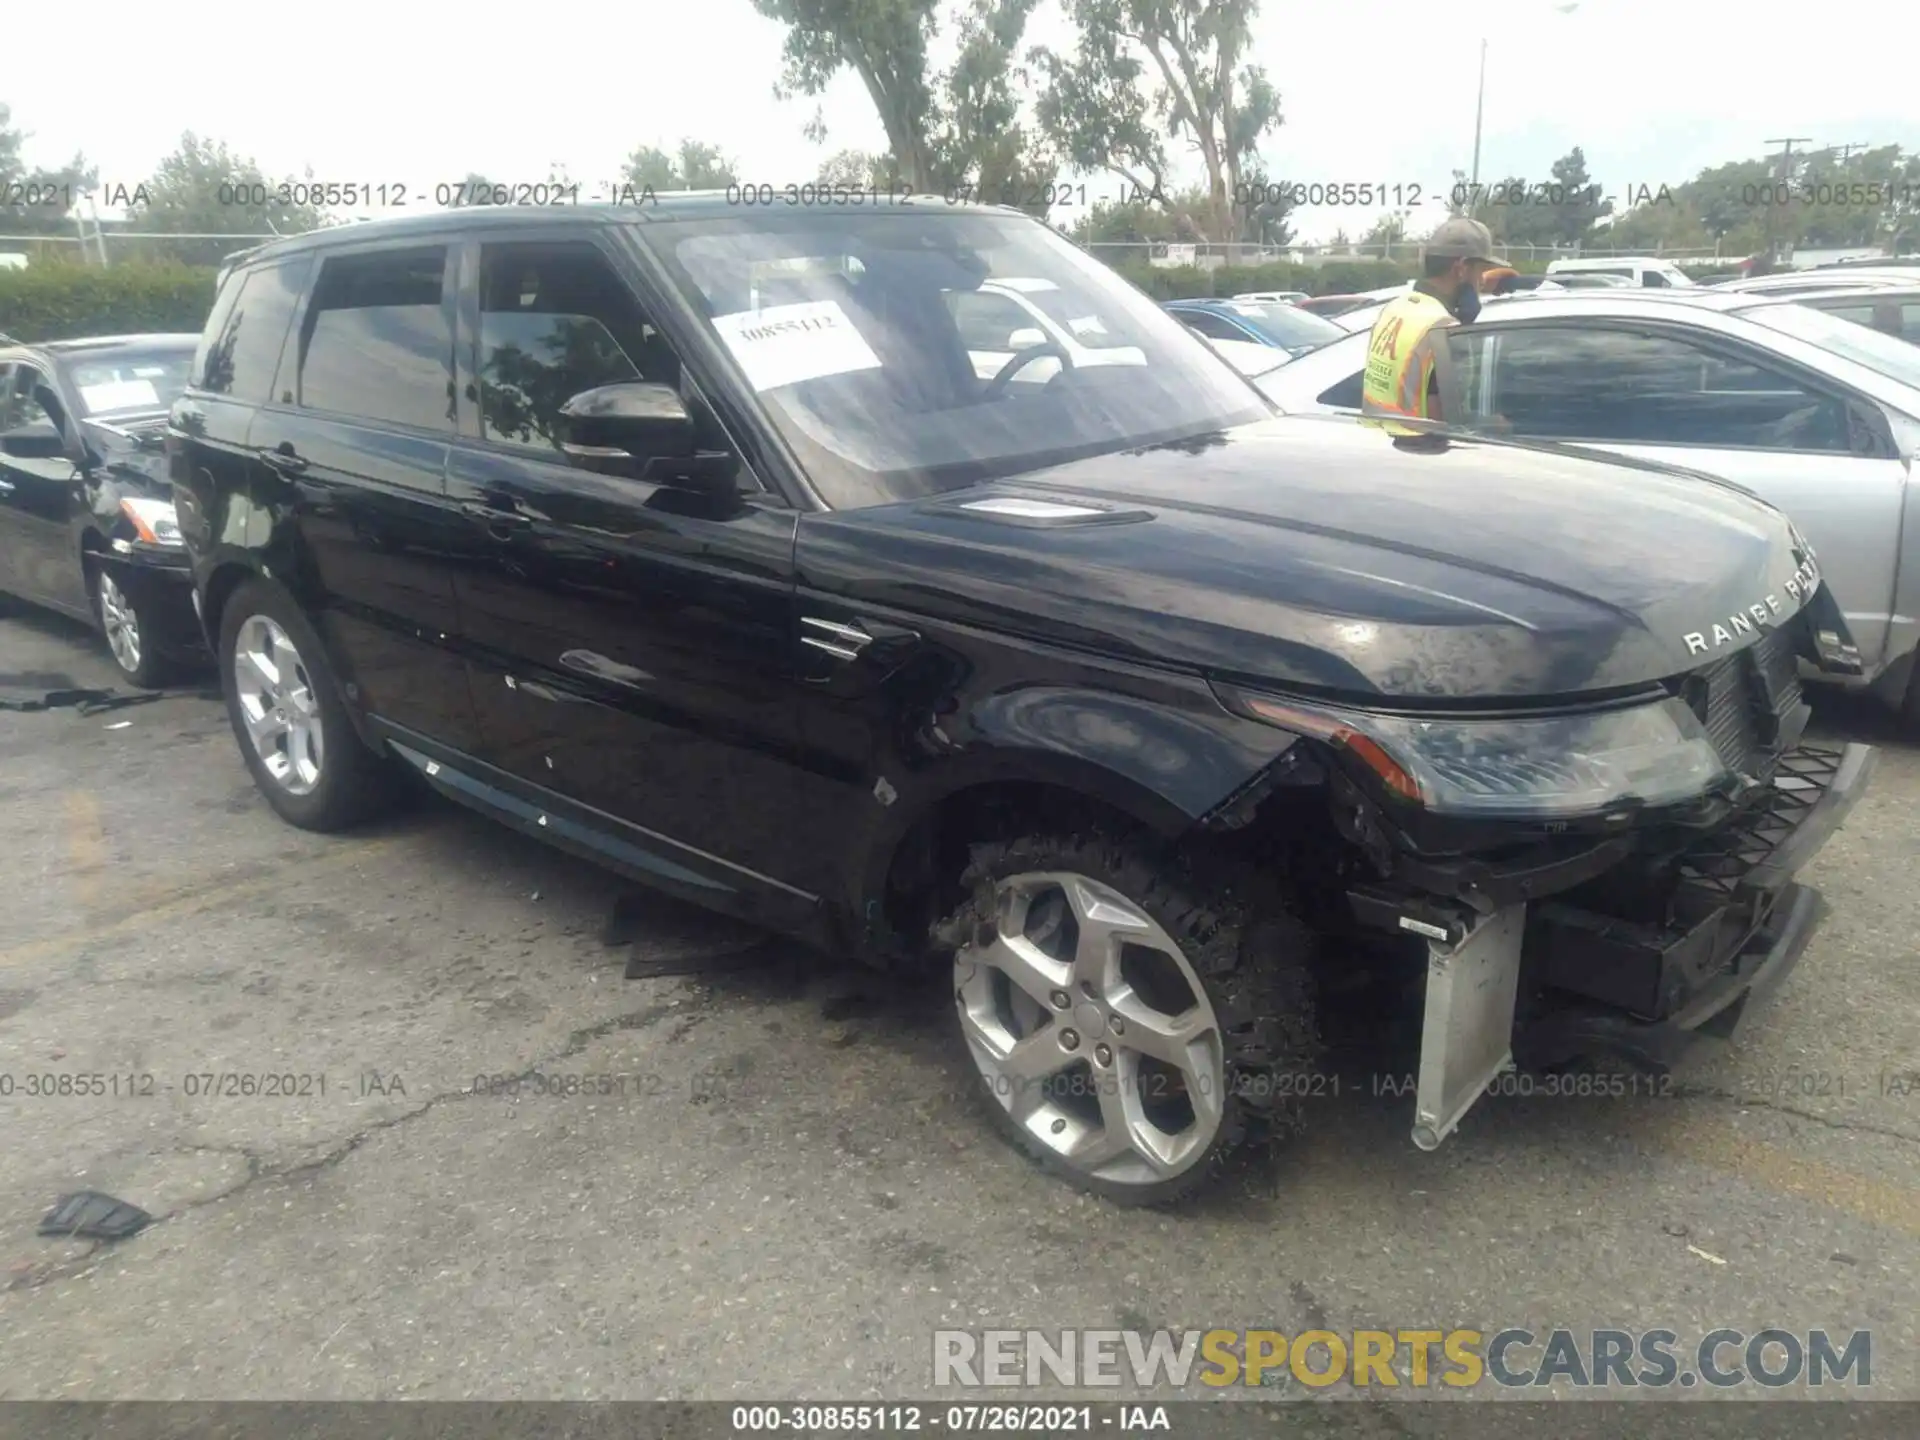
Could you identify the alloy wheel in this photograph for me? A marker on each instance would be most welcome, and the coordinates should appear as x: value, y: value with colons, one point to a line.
x: 1092, y: 1029
x: 121, y: 624
x: 278, y: 705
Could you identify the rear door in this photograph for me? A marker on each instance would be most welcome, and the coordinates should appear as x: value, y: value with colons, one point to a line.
x: 354, y: 451
x: 1813, y: 449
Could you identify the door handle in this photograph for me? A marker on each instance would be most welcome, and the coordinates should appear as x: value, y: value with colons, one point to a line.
x: 494, y: 516
x: 284, y: 459
x: 6, y: 487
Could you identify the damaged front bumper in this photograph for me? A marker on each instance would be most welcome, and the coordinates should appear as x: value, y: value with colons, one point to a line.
x: 1586, y: 981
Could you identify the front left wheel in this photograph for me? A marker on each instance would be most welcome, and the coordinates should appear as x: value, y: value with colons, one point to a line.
x: 125, y: 621
x: 1135, y: 1018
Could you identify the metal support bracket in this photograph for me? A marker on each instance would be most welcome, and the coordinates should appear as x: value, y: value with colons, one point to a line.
x: 1467, y: 1038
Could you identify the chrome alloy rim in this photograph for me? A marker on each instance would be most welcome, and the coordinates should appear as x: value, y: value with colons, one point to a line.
x: 121, y: 624
x: 277, y: 705
x: 1092, y: 1030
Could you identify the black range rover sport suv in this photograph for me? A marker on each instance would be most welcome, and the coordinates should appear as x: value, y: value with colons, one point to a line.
x: 901, y: 579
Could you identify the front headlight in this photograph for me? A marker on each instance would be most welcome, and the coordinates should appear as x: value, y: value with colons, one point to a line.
x: 153, y: 521
x: 1532, y: 767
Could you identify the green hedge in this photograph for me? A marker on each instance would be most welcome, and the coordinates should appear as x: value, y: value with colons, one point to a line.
x: 57, y: 300
x: 1336, y: 277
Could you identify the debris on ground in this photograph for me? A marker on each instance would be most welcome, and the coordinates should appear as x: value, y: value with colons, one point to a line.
x: 84, y: 702
x: 90, y: 1215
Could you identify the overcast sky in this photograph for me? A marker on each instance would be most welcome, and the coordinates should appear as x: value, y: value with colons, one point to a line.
x: 377, y: 91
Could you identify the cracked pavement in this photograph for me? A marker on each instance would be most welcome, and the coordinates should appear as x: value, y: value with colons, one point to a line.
x: 768, y: 1180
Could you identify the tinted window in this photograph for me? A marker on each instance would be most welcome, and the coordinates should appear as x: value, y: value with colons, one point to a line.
x: 378, y: 345
x: 1628, y: 387
x: 1347, y: 394
x: 1214, y: 327
x: 240, y: 349
x: 556, y: 320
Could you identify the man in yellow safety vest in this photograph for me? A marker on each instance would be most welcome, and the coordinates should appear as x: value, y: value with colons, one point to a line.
x: 1410, y: 375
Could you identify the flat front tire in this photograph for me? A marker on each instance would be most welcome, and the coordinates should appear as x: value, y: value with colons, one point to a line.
x: 288, y: 716
x: 1133, y: 1019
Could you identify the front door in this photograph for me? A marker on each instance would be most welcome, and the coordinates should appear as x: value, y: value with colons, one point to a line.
x: 1656, y: 395
x: 37, y: 497
x: 632, y: 642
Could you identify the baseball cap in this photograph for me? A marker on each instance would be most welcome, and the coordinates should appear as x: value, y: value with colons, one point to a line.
x: 1462, y: 239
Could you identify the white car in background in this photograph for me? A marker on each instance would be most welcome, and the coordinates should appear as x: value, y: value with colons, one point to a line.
x: 1273, y: 297
x: 1815, y: 414
x: 1006, y: 316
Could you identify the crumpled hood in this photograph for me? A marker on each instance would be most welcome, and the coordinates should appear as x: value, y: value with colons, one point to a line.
x: 131, y: 454
x: 1320, y: 554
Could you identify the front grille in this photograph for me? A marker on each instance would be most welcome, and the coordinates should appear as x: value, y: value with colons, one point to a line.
x: 1748, y: 701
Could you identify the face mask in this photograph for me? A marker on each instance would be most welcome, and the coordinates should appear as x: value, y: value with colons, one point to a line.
x: 1466, y: 302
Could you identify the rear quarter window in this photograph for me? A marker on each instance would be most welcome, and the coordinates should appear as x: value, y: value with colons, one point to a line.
x: 239, y: 350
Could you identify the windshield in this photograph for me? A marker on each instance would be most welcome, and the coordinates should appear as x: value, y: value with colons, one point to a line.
x: 1878, y: 352
x: 1287, y: 325
x: 128, y: 382
x: 911, y: 351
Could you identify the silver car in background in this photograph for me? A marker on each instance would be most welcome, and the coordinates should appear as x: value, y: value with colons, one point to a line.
x: 1811, y: 412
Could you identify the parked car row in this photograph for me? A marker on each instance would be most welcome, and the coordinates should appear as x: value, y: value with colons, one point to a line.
x: 906, y: 582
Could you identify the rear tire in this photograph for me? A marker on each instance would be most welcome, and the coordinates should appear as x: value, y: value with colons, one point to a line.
x: 288, y: 716
x: 1142, y: 1016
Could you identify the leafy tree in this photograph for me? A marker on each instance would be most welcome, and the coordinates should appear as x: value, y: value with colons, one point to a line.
x: 1267, y: 219
x: 694, y: 166
x: 1574, y: 202
x: 884, y: 42
x: 36, y: 201
x: 1147, y: 74
x: 953, y: 131
x: 205, y: 188
x: 854, y: 168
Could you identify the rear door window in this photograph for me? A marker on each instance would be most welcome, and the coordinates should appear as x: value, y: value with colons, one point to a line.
x: 378, y: 342
x: 1620, y: 386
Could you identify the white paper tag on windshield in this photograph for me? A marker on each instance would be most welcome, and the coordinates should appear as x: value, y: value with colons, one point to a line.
x: 1087, y: 325
x: 785, y: 344
x: 119, y: 395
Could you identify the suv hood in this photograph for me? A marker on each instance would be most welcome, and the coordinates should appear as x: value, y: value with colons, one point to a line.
x: 1319, y: 554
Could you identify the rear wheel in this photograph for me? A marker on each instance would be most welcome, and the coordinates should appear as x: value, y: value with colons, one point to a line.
x: 287, y: 714
x: 1134, y: 1020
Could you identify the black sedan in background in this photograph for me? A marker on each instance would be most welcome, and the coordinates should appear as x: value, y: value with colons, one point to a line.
x: 86, y: 510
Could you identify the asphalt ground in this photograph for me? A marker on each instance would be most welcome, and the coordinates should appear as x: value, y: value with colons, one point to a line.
x: 787, y: 1188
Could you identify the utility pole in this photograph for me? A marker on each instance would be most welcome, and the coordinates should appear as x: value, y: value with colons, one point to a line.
x: 1479, y: 111
x: 1786, y: 144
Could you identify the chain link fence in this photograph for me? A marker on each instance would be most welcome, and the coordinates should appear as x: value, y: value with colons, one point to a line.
x: 1206, y: 256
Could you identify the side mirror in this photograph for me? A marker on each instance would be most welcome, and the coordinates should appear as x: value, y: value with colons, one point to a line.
x: 641, y: 428
x: 1027, y: 338
x: 33, y: 445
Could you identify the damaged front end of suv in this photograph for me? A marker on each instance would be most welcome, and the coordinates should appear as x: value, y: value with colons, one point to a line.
x: 1605, y: 882
x: 1539, y: 752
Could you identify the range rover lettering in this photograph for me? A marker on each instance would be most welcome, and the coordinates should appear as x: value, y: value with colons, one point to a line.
x: 702, y: 543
